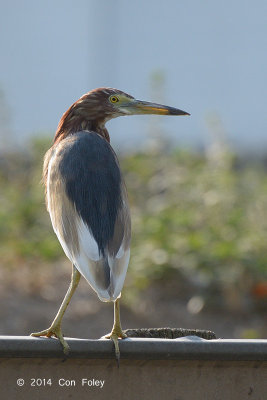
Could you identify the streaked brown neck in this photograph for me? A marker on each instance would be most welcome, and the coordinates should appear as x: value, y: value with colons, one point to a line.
x: 75, y: 120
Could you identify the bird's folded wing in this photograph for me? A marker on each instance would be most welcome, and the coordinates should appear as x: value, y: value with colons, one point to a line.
x: 99, y: 251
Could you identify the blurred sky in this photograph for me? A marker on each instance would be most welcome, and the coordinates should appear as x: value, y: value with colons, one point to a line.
x: 212, y: 55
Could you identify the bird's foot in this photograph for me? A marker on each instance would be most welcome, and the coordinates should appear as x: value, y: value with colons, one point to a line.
x: 115, y: 335
x: 54, y: 330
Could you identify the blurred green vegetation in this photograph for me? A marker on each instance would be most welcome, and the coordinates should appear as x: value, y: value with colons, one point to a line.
x: 197, y: 216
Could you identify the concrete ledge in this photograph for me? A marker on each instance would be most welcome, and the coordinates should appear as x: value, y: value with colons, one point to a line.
x: 187, y: 348
x: 188, y: 368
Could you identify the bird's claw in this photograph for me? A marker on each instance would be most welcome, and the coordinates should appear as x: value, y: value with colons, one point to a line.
x: 54, y: 331
x: 115, y: 336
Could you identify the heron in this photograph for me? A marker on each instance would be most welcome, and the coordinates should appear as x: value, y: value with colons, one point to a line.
x: 87, y: 200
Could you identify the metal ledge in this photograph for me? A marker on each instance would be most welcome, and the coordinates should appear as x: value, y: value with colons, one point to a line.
x: 186, y: 348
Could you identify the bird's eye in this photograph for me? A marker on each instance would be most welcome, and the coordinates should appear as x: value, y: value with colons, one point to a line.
x: 113, y: 99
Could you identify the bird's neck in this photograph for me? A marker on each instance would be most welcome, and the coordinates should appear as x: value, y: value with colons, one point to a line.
x: 72, y: 122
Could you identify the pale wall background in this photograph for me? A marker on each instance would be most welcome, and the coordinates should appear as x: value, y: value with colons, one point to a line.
x: 212, y: 56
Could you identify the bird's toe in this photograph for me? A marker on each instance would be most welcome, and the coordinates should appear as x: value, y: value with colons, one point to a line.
x: 54, y: 331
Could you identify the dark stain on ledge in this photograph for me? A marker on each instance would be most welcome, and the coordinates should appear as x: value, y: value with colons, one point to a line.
x: 169, y: 333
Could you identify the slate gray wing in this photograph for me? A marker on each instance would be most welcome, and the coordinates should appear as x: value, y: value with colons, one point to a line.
x: 88, y: 206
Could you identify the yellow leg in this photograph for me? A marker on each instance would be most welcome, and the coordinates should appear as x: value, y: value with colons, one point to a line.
x: 116, y: 332
x: 55, y: 328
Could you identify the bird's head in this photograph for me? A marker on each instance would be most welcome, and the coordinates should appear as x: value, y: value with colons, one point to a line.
x: 108, y: 103
x: 98, y: 106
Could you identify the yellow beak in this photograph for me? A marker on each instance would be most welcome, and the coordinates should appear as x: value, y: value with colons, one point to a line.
x: 145, y: 107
